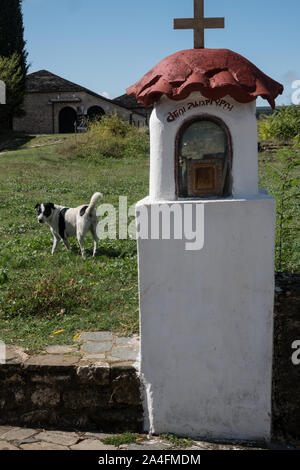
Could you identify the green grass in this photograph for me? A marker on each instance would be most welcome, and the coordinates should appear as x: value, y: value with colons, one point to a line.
x: 120, y: 439
x: 271, y: 176
x: 41, y: 294
x: 177, y: 441
x: 10, y: 141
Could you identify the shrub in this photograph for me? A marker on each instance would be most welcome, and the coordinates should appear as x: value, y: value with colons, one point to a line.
x: 284, y: 185
x: 110, y: 137
x: 282, y: 126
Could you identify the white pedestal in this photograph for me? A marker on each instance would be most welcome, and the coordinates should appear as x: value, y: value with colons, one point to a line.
x: 207, y: 324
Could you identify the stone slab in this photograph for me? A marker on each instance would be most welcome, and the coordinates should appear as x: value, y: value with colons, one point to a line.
x: 96, y: 435
x: 5, y: 429
x: 86, y: 362
x: 56, y: 437
x: 149, y: 445
x: 92, y: 444
x: 124, y: 354
x: 96, y: 336
x: 4, y: 445
x: 15, y: 354
x: 127, y: 341
x: 60, y: 349
x: 18, y: 434
x: 94, y: 347
x: 43, y: 446
x: 95, y: 356
x: 52, y: 360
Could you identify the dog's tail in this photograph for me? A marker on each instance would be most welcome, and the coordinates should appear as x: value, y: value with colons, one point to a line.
x: 96, y: 197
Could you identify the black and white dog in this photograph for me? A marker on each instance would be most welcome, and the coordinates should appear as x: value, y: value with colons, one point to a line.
x: 65, y: 222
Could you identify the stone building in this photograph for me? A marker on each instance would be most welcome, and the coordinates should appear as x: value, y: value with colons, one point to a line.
x: 131, y: 103
x: 54, y: 105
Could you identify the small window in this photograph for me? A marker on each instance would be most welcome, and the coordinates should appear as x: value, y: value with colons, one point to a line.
x: 203, y: 163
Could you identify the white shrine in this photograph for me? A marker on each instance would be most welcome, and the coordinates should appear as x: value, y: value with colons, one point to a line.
x: 206, y: 248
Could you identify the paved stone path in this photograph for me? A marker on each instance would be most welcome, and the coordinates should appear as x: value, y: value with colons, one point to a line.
x: 104, y: 348
x: 15, y: 438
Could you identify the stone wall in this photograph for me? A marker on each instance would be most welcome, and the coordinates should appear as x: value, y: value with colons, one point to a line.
x: 70, y: 397
x: 43, y: 118
x: 38, y: 119
x: 286, y: 375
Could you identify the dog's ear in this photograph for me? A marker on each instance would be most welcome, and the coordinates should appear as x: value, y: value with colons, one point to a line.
x: 37, y: 206
x: 49, y: 207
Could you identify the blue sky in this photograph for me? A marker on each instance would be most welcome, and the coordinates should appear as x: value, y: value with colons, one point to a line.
x: 107, y: 45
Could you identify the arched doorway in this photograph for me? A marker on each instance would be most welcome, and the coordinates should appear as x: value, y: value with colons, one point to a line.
x: 95, y: 113
x: 67, y: 119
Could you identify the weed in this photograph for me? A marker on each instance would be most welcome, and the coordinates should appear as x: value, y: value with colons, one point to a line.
x: 120, y: 439
x: 177, y: 441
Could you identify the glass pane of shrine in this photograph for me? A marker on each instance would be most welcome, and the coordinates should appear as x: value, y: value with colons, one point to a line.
x: 203, y: 163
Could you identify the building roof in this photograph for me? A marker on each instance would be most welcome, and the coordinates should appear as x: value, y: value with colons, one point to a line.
x: 214, y: 72
x: 130, y: 102
x: 44, y: 81
x: 47, y: 82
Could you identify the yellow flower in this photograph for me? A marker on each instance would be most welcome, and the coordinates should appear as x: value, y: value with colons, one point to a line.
x: 76, y: 337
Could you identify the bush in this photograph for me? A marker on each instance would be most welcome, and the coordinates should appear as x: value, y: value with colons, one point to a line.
x: 282, y: 126
x: 111, y: 137
x: 284, y: 185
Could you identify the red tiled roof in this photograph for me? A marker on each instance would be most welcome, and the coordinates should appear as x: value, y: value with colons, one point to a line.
x: 214, y: 72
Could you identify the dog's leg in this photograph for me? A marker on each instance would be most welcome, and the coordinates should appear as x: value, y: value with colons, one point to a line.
x: 55, y: 244
x: 67, y: 244
x: 95, y: 237
x: 83, y: 226
x: 82, y: 247
x: 80, y: 237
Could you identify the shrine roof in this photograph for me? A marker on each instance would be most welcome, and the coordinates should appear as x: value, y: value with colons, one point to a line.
x: 214, y: 72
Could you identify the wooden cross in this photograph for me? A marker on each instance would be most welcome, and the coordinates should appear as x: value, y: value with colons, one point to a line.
x: 199, y: 23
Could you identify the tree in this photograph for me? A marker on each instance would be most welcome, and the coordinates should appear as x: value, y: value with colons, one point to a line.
x: 13, y: 55
x: 12, y: 76
x: 12, y: 31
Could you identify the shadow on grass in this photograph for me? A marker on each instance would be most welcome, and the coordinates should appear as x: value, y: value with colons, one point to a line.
x: 104, y: 252
x: 107, y: 252
x: 13, y: 140
x: 115, y: 252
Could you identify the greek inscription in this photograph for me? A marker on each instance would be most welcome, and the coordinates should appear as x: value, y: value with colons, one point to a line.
x: 220, y: 103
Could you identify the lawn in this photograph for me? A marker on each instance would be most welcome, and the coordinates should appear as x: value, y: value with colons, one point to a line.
x: 40, y: 294
x: 19, y: 141
x: 47, y: 300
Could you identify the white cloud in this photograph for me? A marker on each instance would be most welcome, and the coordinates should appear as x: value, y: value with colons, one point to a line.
x: 106, y: 95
